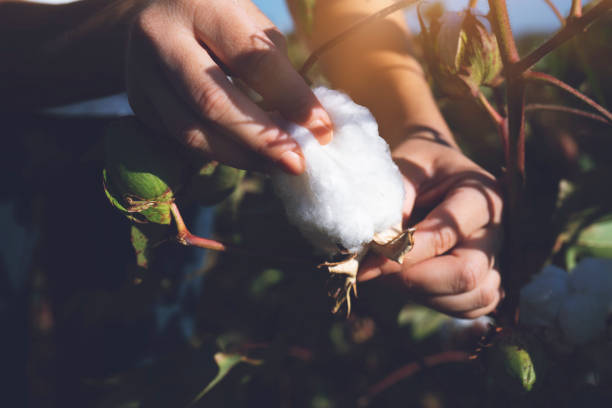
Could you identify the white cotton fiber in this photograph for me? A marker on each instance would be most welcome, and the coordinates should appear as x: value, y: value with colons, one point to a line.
x: 351, y: 188
x: 593, y: 276
x: 541, y: 299
x: 582, y: 318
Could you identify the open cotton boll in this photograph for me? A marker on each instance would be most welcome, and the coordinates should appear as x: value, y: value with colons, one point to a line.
x: 541, y: 298
x: 593, y: 276
x: 351, y: 189
x: 582, y: 318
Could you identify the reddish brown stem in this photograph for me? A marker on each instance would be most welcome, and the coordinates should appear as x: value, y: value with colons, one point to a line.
x: 566, y: 109
x: 491, y: 111
x: 575, y: 26
x: 312, y: 59
x: 514, y: 265
x: 556, y: 11
x: 188, y: 239
x: 576, y: 11
x: 411, y: 369
x: 551, y: 80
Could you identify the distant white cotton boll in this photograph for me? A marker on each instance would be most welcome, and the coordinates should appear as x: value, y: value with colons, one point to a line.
x: 593, y: 276
x: 541, y: 299
x: 351, y: 188
x: 582, y: 318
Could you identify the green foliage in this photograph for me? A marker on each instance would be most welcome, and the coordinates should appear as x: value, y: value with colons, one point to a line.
x: 515, y: 363
x: 142, y: 172
x: 212, y: 184
x: 423, y: 321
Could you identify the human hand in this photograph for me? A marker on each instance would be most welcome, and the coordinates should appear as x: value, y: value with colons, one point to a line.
x: 179, y: 53
x: 452, y: 265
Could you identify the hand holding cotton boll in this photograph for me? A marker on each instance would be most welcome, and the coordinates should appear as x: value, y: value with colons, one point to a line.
x: 349, y: 200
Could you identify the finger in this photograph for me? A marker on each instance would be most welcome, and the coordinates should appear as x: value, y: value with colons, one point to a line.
x: 467, y: 207
x: 213, y: 99
x: 458, y: 272
x: 245, y: 48
x: 264, y: 23
x: 157, y: 104
x: 481, y: 300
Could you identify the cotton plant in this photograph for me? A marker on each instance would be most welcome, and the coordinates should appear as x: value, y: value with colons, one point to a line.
x: 349, y: 200
x: 578, y: 304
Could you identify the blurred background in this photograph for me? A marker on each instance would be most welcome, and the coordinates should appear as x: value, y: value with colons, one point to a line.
x: 79, y: 331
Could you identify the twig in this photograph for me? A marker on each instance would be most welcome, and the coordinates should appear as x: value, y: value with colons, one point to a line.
x: 556, y: 11
x: 567, y: 109
x: 493, y: 114
x: 576, y: 11
x: 349, y: 31
x: 515, y: 273
x: 411, y: 369
x: 551, y: 80
x: 188, y: 239
x: 572, y: 28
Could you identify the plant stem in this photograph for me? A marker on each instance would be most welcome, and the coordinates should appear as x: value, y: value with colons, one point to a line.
x: 556, y: 11
x: 412, y: 368
x: 514, y: 271
x: 499, y: 121
x: 567, y: 109
x: 551, y: 80
x: 316, y: 54
x: 576, y: 11
x: 493, y: 114
x: 573, y: 27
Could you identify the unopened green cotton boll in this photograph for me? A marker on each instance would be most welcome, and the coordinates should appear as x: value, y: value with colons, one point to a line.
x: 351, y: 188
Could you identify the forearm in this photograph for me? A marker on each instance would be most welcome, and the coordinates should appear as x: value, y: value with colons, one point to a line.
x: 55, y: 54
x: 376, y: 67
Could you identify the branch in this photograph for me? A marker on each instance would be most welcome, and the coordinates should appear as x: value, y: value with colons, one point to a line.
x: 576, y: 11
x: 567, y: 109
x: 551, y: 80
x: 573, y: 27
x: 498, y: 15
x: 556, y: 11
x: 493, y: 113
x: 326, y: 46
x: 411, y: 369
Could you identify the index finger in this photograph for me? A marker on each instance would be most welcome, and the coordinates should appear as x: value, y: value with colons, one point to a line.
x: 245, y: 48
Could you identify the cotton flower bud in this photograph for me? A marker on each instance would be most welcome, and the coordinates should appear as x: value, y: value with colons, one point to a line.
x: 462, y: 54
x: 142, y: 172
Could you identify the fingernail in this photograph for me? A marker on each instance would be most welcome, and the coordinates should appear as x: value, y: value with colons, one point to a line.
x: 322, y: 130
x: 292, y: 162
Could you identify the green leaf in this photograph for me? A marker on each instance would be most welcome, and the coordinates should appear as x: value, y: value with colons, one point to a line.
x: 144, y: 238
x: 515, y: 363
x: 142, y: 171
x: 225, y: 362
x: 423, y: 321
x: 593, y: 241
x: 212, y: 184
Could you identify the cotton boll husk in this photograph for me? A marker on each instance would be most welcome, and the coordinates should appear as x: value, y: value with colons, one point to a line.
x: 593, y: 276
x: 582, y: 318
x: 541, y: 299
x: 351, y: 189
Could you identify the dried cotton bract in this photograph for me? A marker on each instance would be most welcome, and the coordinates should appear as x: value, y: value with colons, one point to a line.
x: 350, y: 198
